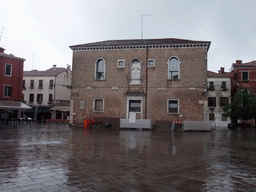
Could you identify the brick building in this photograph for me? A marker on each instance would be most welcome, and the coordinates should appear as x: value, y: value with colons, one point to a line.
x: 11, y: 75
x: 157, y: 79
x: 243, y: 75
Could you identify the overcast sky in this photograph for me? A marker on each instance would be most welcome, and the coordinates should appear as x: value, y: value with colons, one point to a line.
x: 42, y: 31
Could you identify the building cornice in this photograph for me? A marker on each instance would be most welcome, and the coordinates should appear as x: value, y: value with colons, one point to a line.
x: 133, y: 47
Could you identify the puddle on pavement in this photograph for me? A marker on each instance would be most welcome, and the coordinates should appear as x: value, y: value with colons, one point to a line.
x: 221, y: 160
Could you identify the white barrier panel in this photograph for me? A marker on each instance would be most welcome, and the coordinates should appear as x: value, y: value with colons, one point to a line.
x: 197, y: 126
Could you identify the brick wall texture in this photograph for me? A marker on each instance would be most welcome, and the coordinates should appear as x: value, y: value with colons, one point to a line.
x: 188, y: 89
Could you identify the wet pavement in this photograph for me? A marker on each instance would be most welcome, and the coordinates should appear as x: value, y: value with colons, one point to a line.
x: 59, y: 158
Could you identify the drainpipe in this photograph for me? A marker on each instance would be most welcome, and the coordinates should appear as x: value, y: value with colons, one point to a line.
x: 146, y: 97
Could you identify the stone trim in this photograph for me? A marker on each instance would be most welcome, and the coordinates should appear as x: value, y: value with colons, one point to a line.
x: 131, y: 47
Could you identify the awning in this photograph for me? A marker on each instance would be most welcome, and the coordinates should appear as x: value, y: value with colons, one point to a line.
x: 60, y: 108
x: 7, y: 104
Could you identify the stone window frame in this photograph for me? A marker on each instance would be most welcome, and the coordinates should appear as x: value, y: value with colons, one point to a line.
x: 9, y: 92
x: 169, y: 70
x: 9, y: 75
x: 178, y: 108
x: 103, y: 103
x: 118, y: 63
x: 96, y: 68
x: 243, y: 77
x: 136, y: 81
x: 153, y: 63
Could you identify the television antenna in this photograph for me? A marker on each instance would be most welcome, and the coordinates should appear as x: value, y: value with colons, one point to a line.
x: 2, y: 31
x: 142, y: 24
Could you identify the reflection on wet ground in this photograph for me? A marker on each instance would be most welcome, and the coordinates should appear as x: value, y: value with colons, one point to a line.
x: 59, y: 158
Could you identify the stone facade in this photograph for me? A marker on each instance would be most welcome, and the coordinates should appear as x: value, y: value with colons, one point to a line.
x: 219, y: 95
x: 156, y: 93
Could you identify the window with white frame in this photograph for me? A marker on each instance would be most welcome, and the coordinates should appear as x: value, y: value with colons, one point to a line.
x: 245, y: 75
x: 100, y: 69
x: 8, y: 70
x: 135, y: 72
x: 7, y: 91
x: 151, y: 63
x: 173, y: 68
x: 98, y: 105
x: 120, y: 63
x: 173, y: 106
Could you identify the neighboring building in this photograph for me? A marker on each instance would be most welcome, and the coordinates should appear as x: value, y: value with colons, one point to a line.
x: 243, y: 75
x: 46, y: 89
x: 11, y: 75
x: 219, y: 95
x: 157, y: 79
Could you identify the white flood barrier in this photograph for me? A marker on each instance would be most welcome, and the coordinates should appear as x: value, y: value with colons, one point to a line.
x: 197, y: 126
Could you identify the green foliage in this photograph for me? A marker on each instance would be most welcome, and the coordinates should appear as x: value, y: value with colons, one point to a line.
x: 243, y: 106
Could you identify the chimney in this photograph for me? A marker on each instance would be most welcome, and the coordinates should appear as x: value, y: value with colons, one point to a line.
x: 238, y: 61
x: 54, y: 67
x: 2, y: 50
x: 222, y: 70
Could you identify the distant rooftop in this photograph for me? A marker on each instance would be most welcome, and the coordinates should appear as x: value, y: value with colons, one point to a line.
x: 239, y: 63
x: 49, y: 72
x: 221, y: 73
x: 138, y: 42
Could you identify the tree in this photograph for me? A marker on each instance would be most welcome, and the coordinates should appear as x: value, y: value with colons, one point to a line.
x: 243, y: 106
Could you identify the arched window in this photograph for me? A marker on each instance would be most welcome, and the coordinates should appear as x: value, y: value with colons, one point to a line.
x: 100, y: 70
x: 135, y: 72
x: 173, y: 68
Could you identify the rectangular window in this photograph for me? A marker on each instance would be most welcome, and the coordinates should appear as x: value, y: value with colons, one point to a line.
x: 151, y: 63
x: 245, y: 75
x: 135, y: 106
x: 23, y: 96
x: 98, y: 105
x: 223, y: 118
x: 211, y: 117
x: 7, y: 91
x: 51, y: 84
x: 173, y: 106
x: 235, y: 76
x: 8, y: 69
x: 82, y: 104
x: 50, y: 99
x: 39, y: 98
x: 31, y: 84
x: 31, y: 98
x: 211, y: 85
x: 223, y: 101
x: 40, y: 85
x: 121, y: 63
x: 211, y: 101
x: 24, y: 85
x: 224, y: 85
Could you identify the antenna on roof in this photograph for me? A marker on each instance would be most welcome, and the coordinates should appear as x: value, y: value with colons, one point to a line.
x: 2, y: 29
x: 142, y: 24
x: 33, y: 61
